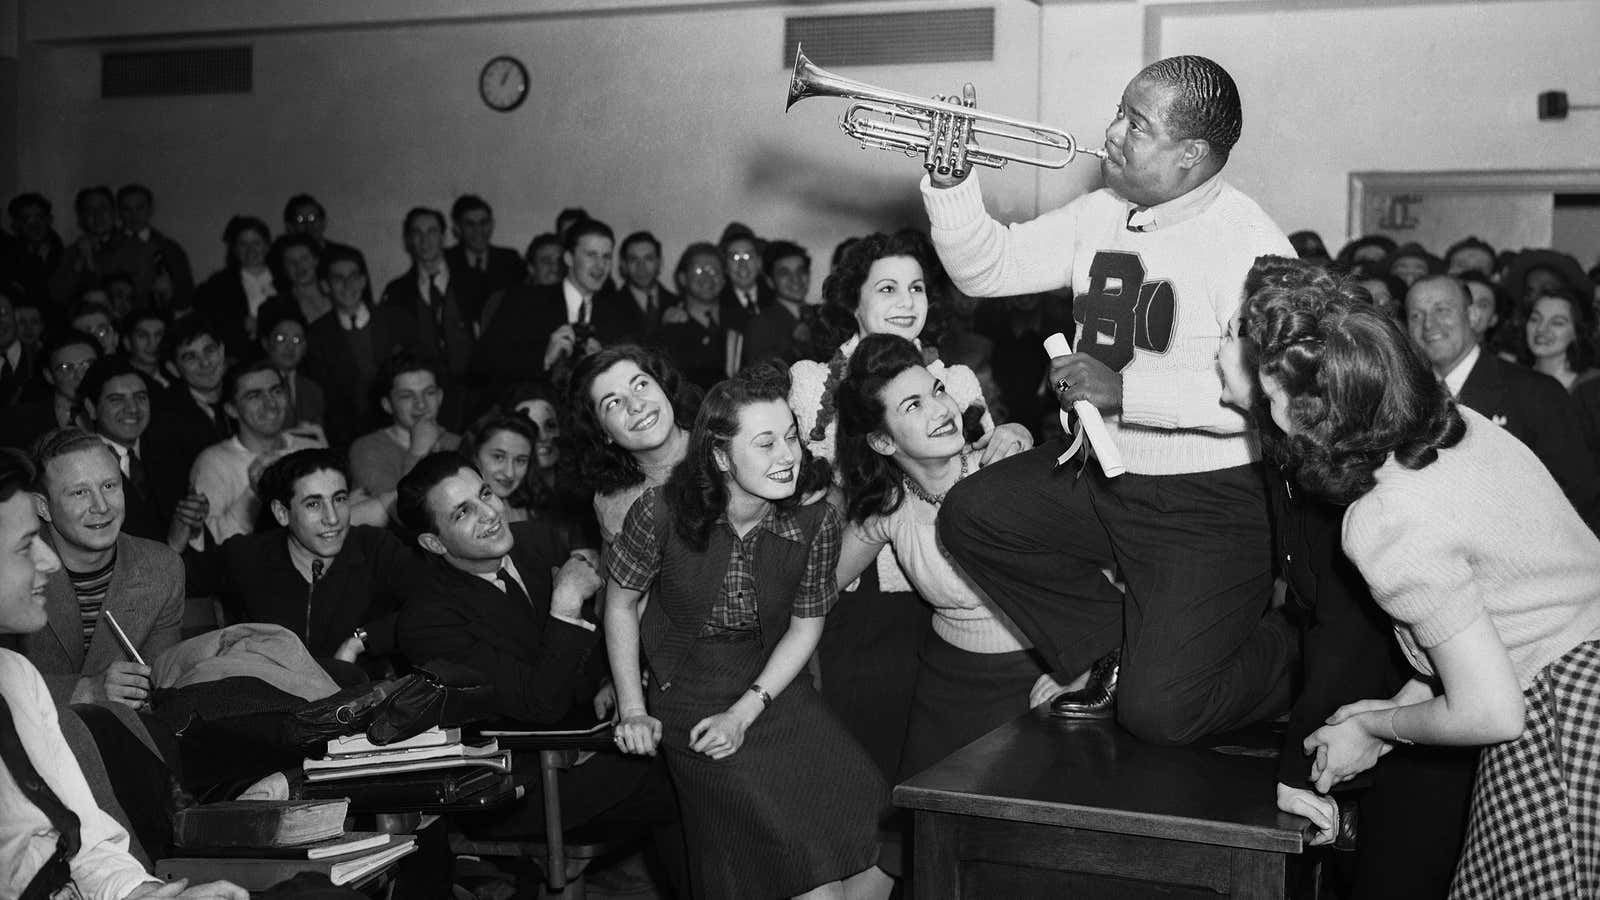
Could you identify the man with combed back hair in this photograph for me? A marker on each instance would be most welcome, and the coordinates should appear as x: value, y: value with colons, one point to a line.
x: 1156, y: 261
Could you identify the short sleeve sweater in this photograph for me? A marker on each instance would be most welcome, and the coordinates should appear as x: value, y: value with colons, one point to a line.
x: 1483, y: 530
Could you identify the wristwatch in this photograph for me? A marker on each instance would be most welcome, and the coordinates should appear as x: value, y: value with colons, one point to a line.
x: 360, y: 634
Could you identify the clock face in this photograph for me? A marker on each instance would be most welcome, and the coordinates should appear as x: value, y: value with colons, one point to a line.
x: 503, y: 84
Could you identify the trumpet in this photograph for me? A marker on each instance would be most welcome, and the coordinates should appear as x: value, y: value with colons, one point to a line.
x: 890, y: 120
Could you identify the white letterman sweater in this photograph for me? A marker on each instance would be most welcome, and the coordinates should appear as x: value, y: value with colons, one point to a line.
x: 1203, y: 244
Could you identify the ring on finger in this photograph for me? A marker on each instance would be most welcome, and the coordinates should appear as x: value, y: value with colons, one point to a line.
x: 1063, y: 385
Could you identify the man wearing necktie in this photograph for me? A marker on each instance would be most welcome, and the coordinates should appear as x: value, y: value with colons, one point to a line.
x: 432, y: 310
x: 560, y: 318
x: 472, y: 222
x: 1445, y: 325
x: 1156, y: 261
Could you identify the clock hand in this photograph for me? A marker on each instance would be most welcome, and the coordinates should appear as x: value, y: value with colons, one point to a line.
x: 503, y: 76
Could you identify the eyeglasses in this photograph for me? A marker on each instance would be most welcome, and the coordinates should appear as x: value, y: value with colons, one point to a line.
x: 741, y: 257
x: 706, y: 270
x: 306, y: 218
x: 99, y: 331
x: 281, y: 338
x: 73, y: 368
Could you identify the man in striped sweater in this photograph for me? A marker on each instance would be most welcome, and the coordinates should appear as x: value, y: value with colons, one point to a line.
x: 1156, y: 261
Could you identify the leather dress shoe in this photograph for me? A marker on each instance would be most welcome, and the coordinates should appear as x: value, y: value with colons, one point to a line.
x: 1348, y: 831
x: 1098, y: 698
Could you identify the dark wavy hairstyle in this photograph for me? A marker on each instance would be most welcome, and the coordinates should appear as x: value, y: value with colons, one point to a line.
x: 278, y: 480
x: 1581, y: 352
x: 532, y: 493
x: 841, y: 290
x: 1207, y: 102
x: 1357, y: 391
x: 604, y: 466
x: 697, y: 491
x: 873, y: 485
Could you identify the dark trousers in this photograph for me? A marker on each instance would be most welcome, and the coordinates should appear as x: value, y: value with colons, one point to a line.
x: 1200, y: 653
x: 1413, y: 822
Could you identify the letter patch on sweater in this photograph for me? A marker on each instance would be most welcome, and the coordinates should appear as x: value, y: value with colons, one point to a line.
x: 1122, y: 312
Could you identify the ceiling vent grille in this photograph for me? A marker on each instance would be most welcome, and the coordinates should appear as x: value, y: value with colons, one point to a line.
x: 165, y: 73
x: 885, y: 39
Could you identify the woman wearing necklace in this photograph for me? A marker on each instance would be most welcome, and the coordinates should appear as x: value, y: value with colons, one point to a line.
x: 868, y: 655
x: 900, y: 449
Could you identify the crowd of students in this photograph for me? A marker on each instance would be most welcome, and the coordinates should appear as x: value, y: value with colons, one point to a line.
x: 492, y: 461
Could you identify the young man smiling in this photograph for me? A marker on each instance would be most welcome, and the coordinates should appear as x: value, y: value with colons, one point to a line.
x: 79, y: 495
x: 226, y: 472
x: 335, y: 585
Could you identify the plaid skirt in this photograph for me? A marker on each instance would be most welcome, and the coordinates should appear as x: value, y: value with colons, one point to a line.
x: 1535, y: 823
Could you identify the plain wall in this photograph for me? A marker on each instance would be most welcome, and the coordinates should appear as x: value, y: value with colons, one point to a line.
x: 670, y: 116
x: 672, y: 121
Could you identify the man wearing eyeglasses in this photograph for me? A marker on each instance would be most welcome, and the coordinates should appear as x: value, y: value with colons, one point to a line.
x: 94, y: 319
x: 304, y: 214
x: 67, y: 357
x: 226, y: 472
x: 284, y: 339
x: 745, y: 294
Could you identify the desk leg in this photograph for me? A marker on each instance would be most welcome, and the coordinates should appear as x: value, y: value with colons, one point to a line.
x: 1258, y: 875
x: 938, y: 866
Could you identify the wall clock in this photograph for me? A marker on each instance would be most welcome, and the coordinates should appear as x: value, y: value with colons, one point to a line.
x: 503, y: 83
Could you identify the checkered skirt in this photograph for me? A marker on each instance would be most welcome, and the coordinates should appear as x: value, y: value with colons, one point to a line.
x: 1535, y: 825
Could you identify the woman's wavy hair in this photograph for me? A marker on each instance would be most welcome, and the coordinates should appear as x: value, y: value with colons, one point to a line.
x: 841, y: 290
x: 1357, y: 391
x: 532, y: 493
x: 1581, y: 353
x: 697, y: 491
x: 604, y: 466
x: 873, y: 485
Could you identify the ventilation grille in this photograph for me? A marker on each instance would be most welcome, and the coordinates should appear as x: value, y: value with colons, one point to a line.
x: 162, y: 73
x: 884, y: 39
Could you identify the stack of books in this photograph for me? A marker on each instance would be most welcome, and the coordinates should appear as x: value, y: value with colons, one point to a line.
x: 433, y: 768
x: 258, y: 843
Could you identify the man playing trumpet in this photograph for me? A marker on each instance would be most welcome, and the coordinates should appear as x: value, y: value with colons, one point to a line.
x: 1156, y: 261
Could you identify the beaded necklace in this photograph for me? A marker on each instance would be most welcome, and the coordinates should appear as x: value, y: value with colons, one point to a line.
x: 933, y: 499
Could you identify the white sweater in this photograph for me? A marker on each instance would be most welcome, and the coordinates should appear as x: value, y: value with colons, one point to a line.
x: 963, y: 615
x: 1483, y: 530
x: 1202, y: 245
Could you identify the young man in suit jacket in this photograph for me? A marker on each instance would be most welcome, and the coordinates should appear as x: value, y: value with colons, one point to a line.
x: 561, y: 318
x: 335, y: 585
x: 506, y: 601
x: 347, y: 348
x: 79, y: 496
x: 472, y: 221
x: 630, y: 311
x: 434, y: 308
x: 1532, y: 406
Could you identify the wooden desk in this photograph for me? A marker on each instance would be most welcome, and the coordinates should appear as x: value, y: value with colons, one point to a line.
x: 1045, y: 807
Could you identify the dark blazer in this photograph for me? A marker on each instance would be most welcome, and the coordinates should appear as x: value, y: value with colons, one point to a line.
x: 256, y: 580
x: 504, y: 270
x: 32, y: 271
x: 412, y: 320
x: 771, y: 336
x: 1348, y: 648
x: 1587, y: 398
x: 146, y: 596
x: 149, y: 505
x: 15, y: 385
x: 618, y: 319
x: 734, y: 315
x: 310, y: 404
x: 179, y: 430
x: 349, y: 409
x: 534, y: 660
x: 221, y: 300
x: 699, y: 352
x: 513, y: 343
x: 24, y: 423
x: 157, y: 254
x: 1538, y: 411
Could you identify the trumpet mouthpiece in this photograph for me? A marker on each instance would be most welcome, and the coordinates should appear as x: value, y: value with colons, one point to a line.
x: 1096, y: 152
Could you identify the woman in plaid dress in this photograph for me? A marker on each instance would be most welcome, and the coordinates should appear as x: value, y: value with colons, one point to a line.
x: 1470, y: 546
x: 778, y: 800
